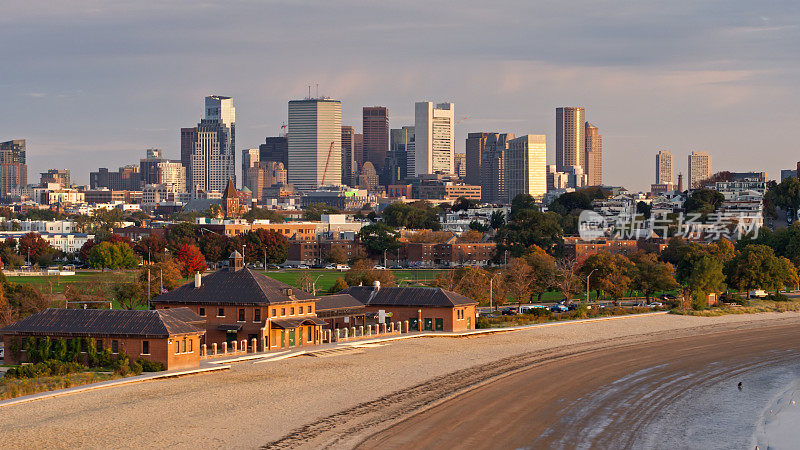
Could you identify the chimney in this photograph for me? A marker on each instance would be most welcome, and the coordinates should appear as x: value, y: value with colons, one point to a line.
x: 680, y: 182
x: 198, y: 279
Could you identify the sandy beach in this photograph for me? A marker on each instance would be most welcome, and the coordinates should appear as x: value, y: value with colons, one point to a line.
x: 344, y: 399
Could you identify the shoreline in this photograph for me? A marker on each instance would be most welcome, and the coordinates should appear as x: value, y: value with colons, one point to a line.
x: 254, y: 404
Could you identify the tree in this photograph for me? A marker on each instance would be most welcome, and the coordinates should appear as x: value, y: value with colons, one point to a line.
x: 315, y: 211
x: 150, y: 247
x: 703, y: 201
x: 378, y: 238
x: 471, y: 236
x: 756, y: 266
x: 463, y: 204
x: 106, y: 255
x: 190, y: 260
x: 128, y: 295
x: 610, y: 273
x: 338, y: 285
x: 519, y: 280
x: 416, y: 216
x: 182, y: 233
x: 215, y: 246
x: 305, y: 282
x: 651, y: 275
x: 337, y: 255
x: 363, y: 273
x: 479, y: 226
x: 262, y: 245
x: 543, y: 270
x: 497, y: 219
x: 529, y: 227
x: 33, y: 246
x: 263, y: 214
x: 705, y: 277
x: 168, y: 272
x: 566, y: 277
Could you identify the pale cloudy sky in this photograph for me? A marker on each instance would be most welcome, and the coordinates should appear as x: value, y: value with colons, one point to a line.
x: 93, y: 83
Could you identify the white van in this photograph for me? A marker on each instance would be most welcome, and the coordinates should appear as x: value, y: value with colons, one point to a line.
x: 757, y: 293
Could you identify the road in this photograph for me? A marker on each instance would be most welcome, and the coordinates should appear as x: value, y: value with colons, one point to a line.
x: 599, y: 399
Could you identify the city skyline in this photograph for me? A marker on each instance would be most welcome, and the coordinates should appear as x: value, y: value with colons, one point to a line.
x: 714, y: 69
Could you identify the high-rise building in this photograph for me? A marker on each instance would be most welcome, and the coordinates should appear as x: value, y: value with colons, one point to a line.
x: 699, y: 169
x: 13, y: 168
x: 526, y: 166
x: 315, y: 143
x: 208, y: 151
x: 570, y: 137
x: 400, y: 139
x: 593, y: 155
x: 664, y: 169
x: 275, y: 148
x: 148, y: 167
x: 375, y: 127
x: 460, y: 165
x: 171, y: 175
x: 349, y: 163
x: 493, y: 169
x: 127, y: 178
x: 60, y: 176
x: 434, y: 129
x: 368, y: 179
x: 250, y: 156
x: 476, y: 142
x: 265, y: 174
x: 358, y: 151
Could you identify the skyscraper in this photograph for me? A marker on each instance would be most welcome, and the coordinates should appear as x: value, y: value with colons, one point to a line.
x: 699, y: 169
x: 348, y: 157
x: 400, y: 140
x: 460, y: 165
x: 570, y: 137
x: 664, y: 167
x: 315, y: 143
x: 210, y: 147
x: 526, y: 166
x: 493, y: 168
x: 275, y: 148
x: 476, y: 142
x: 13, y: 168
x: 376, y: 135
x: 250, y: 156
x: 434, y: 129
x: 60, y: 176
x: 593, y: 155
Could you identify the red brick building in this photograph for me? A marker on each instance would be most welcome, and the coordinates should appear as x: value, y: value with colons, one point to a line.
x: 240, y: 304
x: 311, y: 252
x: 171, y: 337
x: 451, y: 254
x: 425, y: 308
x: 575, y: 247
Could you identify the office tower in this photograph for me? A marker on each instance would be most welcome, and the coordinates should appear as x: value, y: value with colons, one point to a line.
x: 460, y: 165
x: 265, y: 174
x: 315, y: 143
x: 664, y: 167
x: 274, y: 148
x: 368, y: 179
x: 348, y: 157
x: 476, y: 142
x: 493, y: 175
x: 526, y: 166
x: 375, y: 127
x: 60, y: 176
x: 358, y: 151
x: 13, y: 168
x: 208, y: 151
x: 250, y: 156
x: 593, y: 155
x: 699, y: 169
x: 434, y: 129
x: 171, y: 175
x: 401, y: 147
x: 570, y: 137
x: 127, y: 178
x: 148, y: 167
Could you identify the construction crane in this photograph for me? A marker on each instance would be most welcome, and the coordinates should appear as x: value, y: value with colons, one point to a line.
x: 327, y: 161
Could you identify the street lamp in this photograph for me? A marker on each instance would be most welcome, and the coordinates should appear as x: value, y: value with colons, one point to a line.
x: 314, y: 286
x: 587, y: 284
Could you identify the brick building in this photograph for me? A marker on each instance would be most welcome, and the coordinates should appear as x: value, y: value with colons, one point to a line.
x: 317, y: 252
x: 171, y: 336
x: 426, y: 308
x: 451, y: 254
x: 575, y: 247
x: 238, y: 303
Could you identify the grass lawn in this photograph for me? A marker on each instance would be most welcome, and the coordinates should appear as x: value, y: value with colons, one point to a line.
x: 13, y: 387
x: 56, y: 283
x: 755, y: 306
x: 326, y: 278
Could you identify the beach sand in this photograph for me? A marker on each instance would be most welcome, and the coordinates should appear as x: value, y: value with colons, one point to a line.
x: 341, y: 400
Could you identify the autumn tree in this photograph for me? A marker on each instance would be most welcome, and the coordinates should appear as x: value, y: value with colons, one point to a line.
x: 336, y: 255
x: 363, y: 273
x: 33, y: 246
x: 543, y: 270
x: 756, y: 266
x: 190, y: 260
x: 651, y: 275
x: 610, y: 273
x: 567, y: 280
x: 215, y: 246
x: 167, y: 272
x: 519, y: 280
x: 338, y: 285
x: 106, y: 255
x: 128, y: 295
x: 305, y: 282
x: 150, y: 247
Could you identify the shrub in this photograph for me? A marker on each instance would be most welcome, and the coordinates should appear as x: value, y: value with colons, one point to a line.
x: 59, y: 349
x: 738, y: 299
x: 136, y: 368
x: 540, y: 312
x: 150, y: 366
x: 47, y: 368
x: 778, y: 297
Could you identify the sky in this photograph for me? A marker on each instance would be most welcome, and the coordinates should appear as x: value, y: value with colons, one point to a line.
x: 93, y: 83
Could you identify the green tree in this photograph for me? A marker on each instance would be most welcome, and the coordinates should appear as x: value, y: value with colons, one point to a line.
x: 416, y: 216
x: 529, y: 227
x: 379, y: 237
x: 106, y: 255
x: 263, y: 214
x: 610, y: 273
x: 703, y: 201
x: 338, y: 285
x: 128, y: 295
x: 463, y: 204
x: 651, y: 275
x: 215, y: 246
x: 705, y: 277
x: 757, y: 267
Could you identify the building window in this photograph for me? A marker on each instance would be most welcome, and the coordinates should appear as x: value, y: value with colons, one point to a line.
x: 241, y: 314
x: 273, y: 312
x: 145, y: 347
x: 183, y: 348
x: 291, y: 311
x: 202, y: 312
x: 283, y: 312
x: 309, y: 333
x: 177, y: 347
x: 301, y: 310
x: 221, y: 312
x: 114, y: 346
x: 99, y: 345
x: 257, y: 315
x: 190, y: 345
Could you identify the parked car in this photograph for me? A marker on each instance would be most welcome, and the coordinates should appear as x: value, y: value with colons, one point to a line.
x: 379, y: 267
x: 2, y: 353
x: 331, y: 267
x: 488, y: 314
x: 667, y: 297
x: 342, y: 267
x: 273, y: 267
x: 758, y: 293
x: 302, y: 266
x: 559, y: 308
x: 396, y: 267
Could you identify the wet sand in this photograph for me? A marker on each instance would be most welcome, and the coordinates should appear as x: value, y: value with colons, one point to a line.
x: 341, y: 400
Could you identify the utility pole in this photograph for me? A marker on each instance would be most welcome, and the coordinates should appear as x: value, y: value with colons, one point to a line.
x: 148, y: 287
x: 587, y: 284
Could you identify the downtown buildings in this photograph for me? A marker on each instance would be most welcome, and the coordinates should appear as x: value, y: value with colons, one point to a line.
x: 699, y: 169
x: 13, y: 167
x: 208, y: 151
x: 434, y: 131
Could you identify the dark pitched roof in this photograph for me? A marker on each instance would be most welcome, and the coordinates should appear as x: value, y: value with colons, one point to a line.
x: 408, y: 296
x: 234, y: 287
x: 230, y: 190
x: 337, y: 301
x: 107, y: 322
